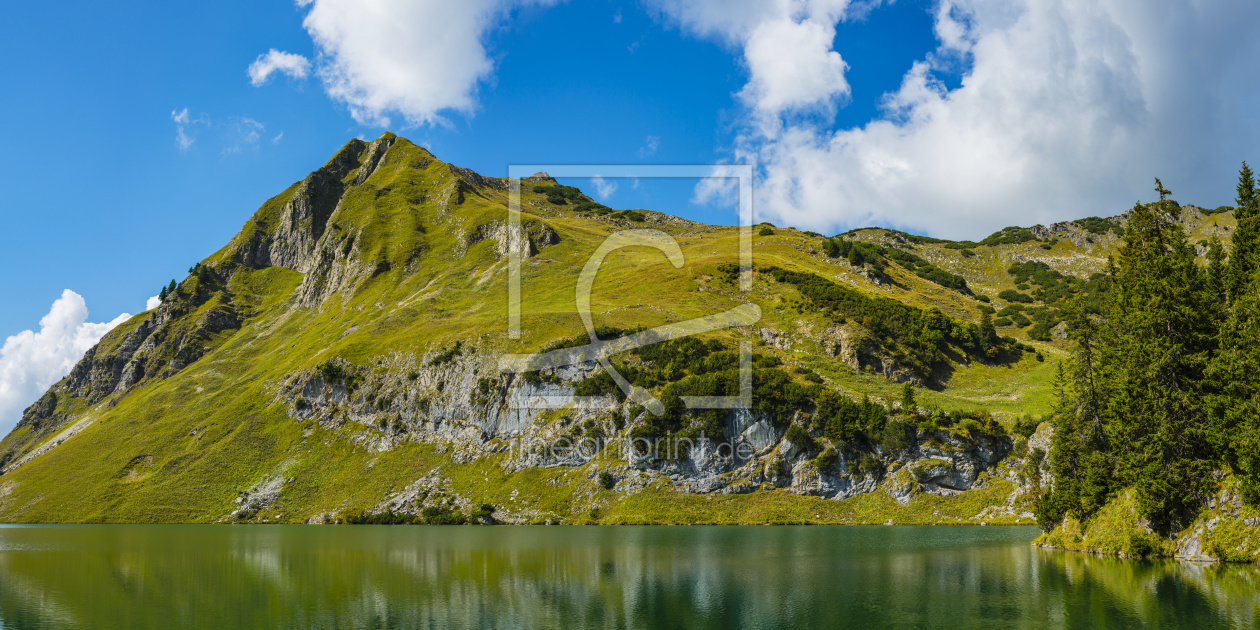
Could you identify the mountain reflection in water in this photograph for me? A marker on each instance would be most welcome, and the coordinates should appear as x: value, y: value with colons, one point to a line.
x: 142, y: 576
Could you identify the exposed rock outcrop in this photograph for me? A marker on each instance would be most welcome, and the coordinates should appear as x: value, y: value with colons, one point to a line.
x: 153, y: 345
x: 456, y: 399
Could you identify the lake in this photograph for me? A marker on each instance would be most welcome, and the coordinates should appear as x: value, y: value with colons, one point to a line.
x: 294, y: 576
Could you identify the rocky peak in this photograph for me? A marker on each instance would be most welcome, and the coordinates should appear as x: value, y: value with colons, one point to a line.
x: 304, y: 219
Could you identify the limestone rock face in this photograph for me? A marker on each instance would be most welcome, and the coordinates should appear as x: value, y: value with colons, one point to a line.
x: 329, y: 260
x: 541, y: 424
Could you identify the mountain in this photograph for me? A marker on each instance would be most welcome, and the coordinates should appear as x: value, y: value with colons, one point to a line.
x: 341, y: 359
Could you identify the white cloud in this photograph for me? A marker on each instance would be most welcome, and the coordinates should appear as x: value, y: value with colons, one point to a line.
x: 417, y: 59
x: 291, y: 64
x: 720, y: 188
x: 603, y: 188
x: 184, y: 127
x: 650, y: 145
x: 31, y: 362
x: 276, y: 140
x: 1069, y: 109
x: 152, y: 303
x: 787, y: 46
x: 791, y: 65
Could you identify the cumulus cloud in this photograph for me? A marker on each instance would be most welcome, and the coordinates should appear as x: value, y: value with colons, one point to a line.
x: 417, y: 59
x: 31, y: 362
x: 273, y: 61
x: 791, y: 65
x: 1068, y: 108
x: 152, y: 303
x: 603, y: 188
x: 787, y: 47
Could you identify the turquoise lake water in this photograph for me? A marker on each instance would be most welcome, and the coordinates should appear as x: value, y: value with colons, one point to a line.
x: 219, y: 576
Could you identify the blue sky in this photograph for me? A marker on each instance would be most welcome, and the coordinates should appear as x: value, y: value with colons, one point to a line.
x: 947, y: 117
x: 108, y: 205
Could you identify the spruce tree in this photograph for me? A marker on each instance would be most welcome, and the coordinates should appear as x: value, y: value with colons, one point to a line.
x: 1246, y: 189
x: 1086, y: 402
x: 1216, y: 271
x: 1234, y: 430
x: 1062, y: 498
x: 988, y: 334
x: 1246, y: 239
x: 908, y: 404
x: 1152, y: 361
x: 1081, y: 462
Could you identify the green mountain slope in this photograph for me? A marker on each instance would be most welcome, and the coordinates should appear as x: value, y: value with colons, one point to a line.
x: 339, y: 359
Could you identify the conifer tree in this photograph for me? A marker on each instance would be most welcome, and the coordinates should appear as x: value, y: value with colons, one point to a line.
x: 908, y: 404
x: 988, y: 334
x: 1246, y: 239
x: 1234, y: 430
x: 1081, y: 463
x: 1161, y: 320
x: 1086, y: 403
x: 855, y: 257
x: 1061, y: 499
x: 1216, y: 270
x: 1246, y: 189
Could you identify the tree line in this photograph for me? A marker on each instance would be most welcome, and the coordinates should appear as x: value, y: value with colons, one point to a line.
x: 1160, y: 393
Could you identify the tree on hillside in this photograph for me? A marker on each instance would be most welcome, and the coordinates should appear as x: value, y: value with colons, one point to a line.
x: 1152, y: 361
x: 988, y: 340
x: 1062, y: 498
x: 1216, y: 270
x: 907, y: 398
x: 1235, y: 404
x: 1246, y: 239
x: 1082, y: 465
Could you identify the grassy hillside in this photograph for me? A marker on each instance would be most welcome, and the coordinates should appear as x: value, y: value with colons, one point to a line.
x: 339, y: 356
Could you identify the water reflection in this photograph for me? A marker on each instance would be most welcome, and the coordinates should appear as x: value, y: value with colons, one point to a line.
x: 577, y: 577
